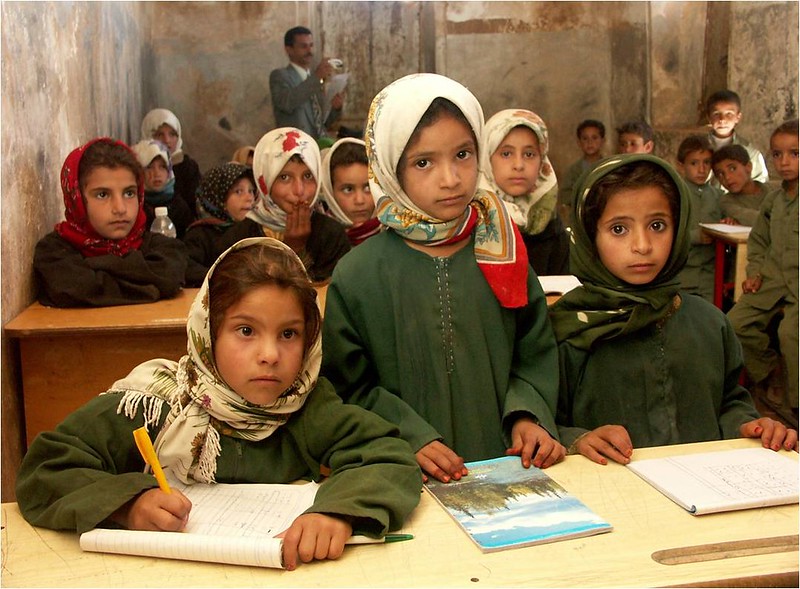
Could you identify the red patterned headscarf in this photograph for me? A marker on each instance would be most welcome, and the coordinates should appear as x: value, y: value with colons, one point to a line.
x: 76, y: 229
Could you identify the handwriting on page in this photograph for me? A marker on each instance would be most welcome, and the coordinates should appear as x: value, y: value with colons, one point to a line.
x: 752, y: 479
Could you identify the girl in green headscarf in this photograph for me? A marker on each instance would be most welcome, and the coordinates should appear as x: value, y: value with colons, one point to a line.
x: 633, y: 351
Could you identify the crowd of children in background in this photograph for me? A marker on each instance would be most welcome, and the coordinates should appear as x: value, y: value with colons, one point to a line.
x: 431, y: 232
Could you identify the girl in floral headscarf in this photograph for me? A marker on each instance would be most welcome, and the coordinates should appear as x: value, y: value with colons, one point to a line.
x: 226, y: 194
x: 163, y: 125
x: 244, y: 405
x: 436, y: 324
x: 286, y: 169
x: 514, y: 165
x: 642, y: 363
x: 102, y: 253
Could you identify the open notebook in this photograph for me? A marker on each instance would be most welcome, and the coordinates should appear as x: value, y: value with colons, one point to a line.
x: 723, y: 481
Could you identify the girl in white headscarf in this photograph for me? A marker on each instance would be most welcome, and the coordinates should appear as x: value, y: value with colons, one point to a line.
x: 163, y: 125
x: 286, y: 170
x: 515, y: 166
x: 244, y: 405
x: 435, y: 323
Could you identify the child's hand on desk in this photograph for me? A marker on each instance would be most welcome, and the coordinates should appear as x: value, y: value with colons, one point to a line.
x: 314, y: 536
x: 534, y: 444
x: 155, y: 510
x: 440, y: 462
x: 729, y: 221
x: 751, y: 284
x: 607, y: 441
x: 773, y: 433
x: 298, y: 227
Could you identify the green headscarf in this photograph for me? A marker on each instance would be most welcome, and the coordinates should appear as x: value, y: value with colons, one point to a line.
x: 605, y: 306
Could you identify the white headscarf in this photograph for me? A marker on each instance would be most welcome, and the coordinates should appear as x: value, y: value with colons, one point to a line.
x: 272, y: 153
x: 334, y: 209
x: 149, y: 149
x: 160, y: 116
x: 532, y: 211
x: 200, y: 401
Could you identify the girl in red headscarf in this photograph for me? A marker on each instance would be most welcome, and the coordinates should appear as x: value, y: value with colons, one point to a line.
x: 102, y: 254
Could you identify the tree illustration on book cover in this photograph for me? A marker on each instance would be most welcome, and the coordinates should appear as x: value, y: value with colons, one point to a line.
x: 500, y: 505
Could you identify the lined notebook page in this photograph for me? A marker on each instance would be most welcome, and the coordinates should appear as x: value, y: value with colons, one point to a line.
x: 723, y: 481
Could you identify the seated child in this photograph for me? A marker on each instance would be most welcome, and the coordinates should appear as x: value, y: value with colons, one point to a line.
x: 771, y: 285
x: 694, y: 164
x: 103, y: 254
x: 635, y: 137
x: 436, y: 323
x: 723, y: 109
x: 159, y: 185
x: 286, y: 169
x: 345, y: 189
x: 641, y: 363
x: 740, y: 203
x: 226, y: 194
x: 244, y: 155
x: 163, y: 125
x: 516, y: 168
x: 591, y: 141
x: 245, y: 405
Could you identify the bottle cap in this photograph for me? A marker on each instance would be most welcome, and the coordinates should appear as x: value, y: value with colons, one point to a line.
x: 161, y: 211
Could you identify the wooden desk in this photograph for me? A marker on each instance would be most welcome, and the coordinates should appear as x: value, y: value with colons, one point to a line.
x: 441, y: 555
x: 739, y: 241
x: 69, y: 356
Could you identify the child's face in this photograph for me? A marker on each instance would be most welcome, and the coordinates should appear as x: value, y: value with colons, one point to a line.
x: 112, y: 202
x: 295, y: 185
x: 259, y: 346
x: 733, y: 174
x: 724, y: 117
x: 168, y: 136
x: 633, y: 143
x: 156, y: 174
x: 240, y: 198
x: 696, y: 166
x: 634, y: 234
x: 783, y: 148
x: 439, y: 171
x: 351, y: 190
x: 516, y: 162
x: 591, y: 142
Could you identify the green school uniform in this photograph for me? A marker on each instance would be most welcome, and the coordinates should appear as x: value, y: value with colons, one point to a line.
x: 424, y: 343
x: 743, y: 207
x: 697, y: 276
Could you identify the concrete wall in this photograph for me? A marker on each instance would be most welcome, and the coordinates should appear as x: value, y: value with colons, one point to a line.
x: 74, y: 70
x: 70, y: 71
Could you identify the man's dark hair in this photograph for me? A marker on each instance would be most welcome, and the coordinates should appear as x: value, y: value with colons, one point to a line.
x: 288, y: 38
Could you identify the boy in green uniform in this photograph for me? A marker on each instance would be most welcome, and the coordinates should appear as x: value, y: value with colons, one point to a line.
x: 591, y: 140
x: 771, y: 285
x: 635, y: 137
x: 694, y: 164
x: 732, y: 168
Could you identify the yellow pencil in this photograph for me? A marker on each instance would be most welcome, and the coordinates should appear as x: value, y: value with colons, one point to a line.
x: 149, y: 454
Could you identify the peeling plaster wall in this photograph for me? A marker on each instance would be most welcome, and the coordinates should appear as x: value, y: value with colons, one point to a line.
x: 70, y: 71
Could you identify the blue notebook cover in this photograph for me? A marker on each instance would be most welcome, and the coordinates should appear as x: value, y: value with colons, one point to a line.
x: 501, y: 505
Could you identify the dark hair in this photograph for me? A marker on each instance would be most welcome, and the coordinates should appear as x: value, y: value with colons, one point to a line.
x: 733, y: 152
x: 723, y: 96
x: 791, y: 127
x: 347, y: 154
x: 640, y: 128
x: 591, y: 123
x: 258, y: 265
x: 104, y: 154
x: 439, y: 108
x: 629, y: 176
x: 288, y: 37
x: 694, y: 143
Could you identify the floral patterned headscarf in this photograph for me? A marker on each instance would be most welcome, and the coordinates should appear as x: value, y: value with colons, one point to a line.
x: 76, y: 229
x: 393, y: 117
x: 273, y: 151
x: 532, y: 212
x: 201, y: 403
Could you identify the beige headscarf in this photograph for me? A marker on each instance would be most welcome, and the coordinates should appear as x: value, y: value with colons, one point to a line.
x: 532, y: 212
x: 201, y: 403
x: 273, y: 151
x: 160, y: 116
x: 327, y: 194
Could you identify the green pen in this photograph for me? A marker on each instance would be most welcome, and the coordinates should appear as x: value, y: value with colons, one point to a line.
x: 386, y: 539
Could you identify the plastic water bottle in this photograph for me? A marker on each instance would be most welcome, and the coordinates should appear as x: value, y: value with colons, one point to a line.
x: 163, y: 224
